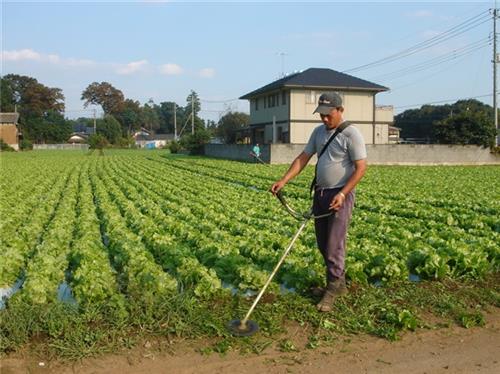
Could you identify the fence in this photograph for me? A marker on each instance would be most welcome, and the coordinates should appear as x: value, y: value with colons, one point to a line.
x: 66, y: 147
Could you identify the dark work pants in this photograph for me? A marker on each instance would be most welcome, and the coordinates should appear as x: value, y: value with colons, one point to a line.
x: 331, y: 231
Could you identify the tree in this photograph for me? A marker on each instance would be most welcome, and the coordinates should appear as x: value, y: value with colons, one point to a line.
x: 110, y: 128
x: 150, y: 117
x: 193, y: 96
x: 466, y: 128
x: 192, y: 108
x: 97, y: 141
x: 104, y: 94
x: 31, y: 98
x: 230, y: 123
x: 194, y: 142
x: 420, y: 123
x: 130, y: 116
x: 51, y: 127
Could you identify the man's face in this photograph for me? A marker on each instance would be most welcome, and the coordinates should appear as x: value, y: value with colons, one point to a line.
x: 333, y: 119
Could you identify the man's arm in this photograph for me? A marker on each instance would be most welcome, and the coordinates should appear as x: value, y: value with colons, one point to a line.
x: 295, y: 168
x: 359, y: 172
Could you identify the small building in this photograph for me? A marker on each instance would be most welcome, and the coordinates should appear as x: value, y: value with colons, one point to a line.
x: 81, y: 133
x: 394, y: 135
x: 78, y: 138
x: 9, y: 131
x: 142, y: 131
x: 153, y: 141
x: 282, y: 111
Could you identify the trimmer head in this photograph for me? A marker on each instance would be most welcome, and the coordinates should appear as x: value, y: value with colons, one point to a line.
x: 236, y: 328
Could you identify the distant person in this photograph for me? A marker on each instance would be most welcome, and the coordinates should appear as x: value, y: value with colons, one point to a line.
x: 256, y: 152
x: 339, y: 169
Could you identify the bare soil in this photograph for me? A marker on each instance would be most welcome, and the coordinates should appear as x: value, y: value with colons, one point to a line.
x: 444, y: 350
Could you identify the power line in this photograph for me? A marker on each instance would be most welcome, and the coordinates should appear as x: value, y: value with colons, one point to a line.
x: 218, y: 101
x: 442, y: 101
x: 424, y: 78
x: 461, y: 28
x: 428, y: 64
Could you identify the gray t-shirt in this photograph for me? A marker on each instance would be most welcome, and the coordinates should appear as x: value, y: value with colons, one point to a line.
x: 336, y: 165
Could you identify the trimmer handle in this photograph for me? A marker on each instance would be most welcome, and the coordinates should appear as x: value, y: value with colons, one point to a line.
x: 295, y: 214
x: 282, y: 200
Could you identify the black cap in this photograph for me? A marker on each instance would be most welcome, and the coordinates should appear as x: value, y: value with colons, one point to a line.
x: 327, y: 101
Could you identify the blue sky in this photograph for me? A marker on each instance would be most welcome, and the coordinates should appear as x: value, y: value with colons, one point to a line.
x: 223, y: 50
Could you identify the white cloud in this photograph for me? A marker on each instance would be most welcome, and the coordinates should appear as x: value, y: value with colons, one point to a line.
x: 20, y: 55
x: 132, y: 67
x: 171, y: 69
x: 31, y: 55
x: 207, y: 73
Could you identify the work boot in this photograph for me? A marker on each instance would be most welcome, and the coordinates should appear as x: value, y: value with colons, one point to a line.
x: 333, y: 290
x: 317, y: 291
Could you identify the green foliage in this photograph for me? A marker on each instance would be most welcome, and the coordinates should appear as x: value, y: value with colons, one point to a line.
x: 32, y: 98
x: 178, y: 246
x: 174, y: 146
x: 230, y: 123
x: 50, y: 127
x: 126, y: 142
x: 39, y: 108
x: 25, y: 145
x: 194, y: 142
x: 466, y: 128
x: 421, y: 123
x: 4, y: 147
x: 110, y: 128
x: 98, y: 141
x: 193, y: 102
x: 150, y: 117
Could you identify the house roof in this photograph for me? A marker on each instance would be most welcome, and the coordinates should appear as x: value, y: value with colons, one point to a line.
x: 318, y: 78
x: 79, y: 134
x: 9, y: 117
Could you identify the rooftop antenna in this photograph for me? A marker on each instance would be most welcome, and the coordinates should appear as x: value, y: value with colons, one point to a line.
x: 282, y: 55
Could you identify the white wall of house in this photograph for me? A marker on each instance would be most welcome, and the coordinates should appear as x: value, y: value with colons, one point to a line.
x: 295, y: 114
x: 358, y: 105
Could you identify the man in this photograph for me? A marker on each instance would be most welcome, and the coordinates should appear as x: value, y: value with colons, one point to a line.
x: 256, y: 152
x: 339, y: 170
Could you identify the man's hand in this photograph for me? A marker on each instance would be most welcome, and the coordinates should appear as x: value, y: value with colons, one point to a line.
x: 277, y: 186
x: 337, y: 201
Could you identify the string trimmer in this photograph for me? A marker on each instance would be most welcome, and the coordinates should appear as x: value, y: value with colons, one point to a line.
x: 246, y: 327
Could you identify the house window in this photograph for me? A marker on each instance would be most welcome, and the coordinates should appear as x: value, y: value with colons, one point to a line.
x: 283, y: 98
x: 311, y: 97
x: 256, y: 101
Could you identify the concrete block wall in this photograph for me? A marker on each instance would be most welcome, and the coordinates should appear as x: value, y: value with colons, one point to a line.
x: 378, y: 154
x: 240, y: 152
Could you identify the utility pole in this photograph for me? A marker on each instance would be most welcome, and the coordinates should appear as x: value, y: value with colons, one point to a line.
x: 95, y: 127
x: 175, y: 121
x: 192, y: 112
x: 495, y: 110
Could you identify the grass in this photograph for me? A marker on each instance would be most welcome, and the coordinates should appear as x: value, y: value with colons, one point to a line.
x: 65, y: 332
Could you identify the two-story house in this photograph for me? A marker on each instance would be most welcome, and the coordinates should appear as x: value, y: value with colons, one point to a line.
x: 282, y: 111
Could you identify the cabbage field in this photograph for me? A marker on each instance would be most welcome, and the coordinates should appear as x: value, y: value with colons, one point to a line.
x: 92, y: 231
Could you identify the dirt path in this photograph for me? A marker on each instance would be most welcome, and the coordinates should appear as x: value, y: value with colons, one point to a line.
x: 447, y: 350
